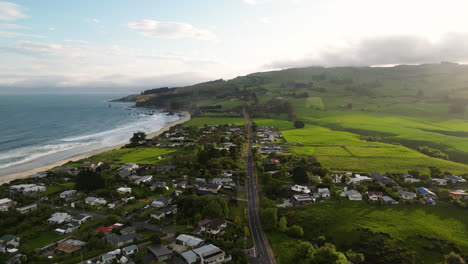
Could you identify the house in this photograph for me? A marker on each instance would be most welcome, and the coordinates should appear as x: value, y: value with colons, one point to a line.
x: 160, y: 252
x: 118, y: 241
x: 407, y: 195
x: 214, y: 227
x: 166, y: 169
x: 440, y: 182
x: 208, y: 188
x: 67, y: 228
x: 164, y: 212
x: 159, y: 184
x: 128, y: 230
x: 190, y: 241
x: 26, y: 209
x: 27, y: 189
x: 108, y: 229
x: 459, y: 194
x: 81, y: 218
x: 222, y: 181
x: 337, y: 177
x: 10, y: 240
x: 426, y: 192
x: 407, y: 175
x: 95, y: 201
x: 102, y: 166
x: 182, y: 185
x: 190, y: 257
x: 130, y: 250
x: 161, y: 202
x: 68, y: 195
x: 59, y: 218
x: 6, y: 204
x: 300, y: 199
x: 69, y: 246
x: 374, y: 196
x: 107, y: 258
x: 428, y: 200
x: 379, y: 177
x: 142, y: 179
x: 69, y: 169
x: 210, y: 254
x: 300, y: 188
x: 125, y: 173
x: 454, y: 179
x: 352, y: 195
x: 130, y: 166
x: 388, y: 200
x: 124, y: 190
x: 200, y: 180
x: 324, y: 192
x: 358, y: 178
x: 412, y: 180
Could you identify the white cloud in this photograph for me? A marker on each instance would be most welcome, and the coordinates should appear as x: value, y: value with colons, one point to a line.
x: 11, y: 11
x: 77, y: 41
x: 172, y: 30
x: 51, y: 29
x: 12, y: 26
x: 265, y: 20
x: 387, y: 50
x: 256, y: 2
x: 5, y: 34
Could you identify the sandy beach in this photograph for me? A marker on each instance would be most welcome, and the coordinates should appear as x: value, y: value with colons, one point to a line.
x: 26, y: 173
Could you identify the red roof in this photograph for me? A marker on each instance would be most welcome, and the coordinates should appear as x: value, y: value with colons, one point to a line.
x: 107, y: 229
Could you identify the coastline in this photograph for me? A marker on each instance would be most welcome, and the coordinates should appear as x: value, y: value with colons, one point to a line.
x: 26, y: 173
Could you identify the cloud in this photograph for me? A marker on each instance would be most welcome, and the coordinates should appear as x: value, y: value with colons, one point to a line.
x: 77, y: 41
x: 11, y: 11
x: 93, y: 20
x: 5, y: 34
x: 12, y: 26
x: 172, y: 30
x: 386, y: 50
x: 265, y: 20
x: 51, y: 29
x: 256, y: 2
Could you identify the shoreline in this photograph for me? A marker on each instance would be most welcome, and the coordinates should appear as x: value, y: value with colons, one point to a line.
x: 26, y: 173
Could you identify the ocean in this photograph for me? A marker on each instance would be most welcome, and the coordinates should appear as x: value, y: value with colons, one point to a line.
x: 36, y: 130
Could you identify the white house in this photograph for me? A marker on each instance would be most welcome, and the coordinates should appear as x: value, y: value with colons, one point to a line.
x: 59, y: 218
x: 441, y: 182
x: 27, y: 188
x: 146, y: 178
x: 95, y: 201
x: 222, y: 181
x: 68, y: 194
x: 300, y: 188
x: 210, y: 254
x: 357, y: 179
x: 6, y: 204
x: 188, y: 240
x: 124, y: 190
x: 374, y: 196
x: 352, y: 195
x: 161, y: 202
x: 67, y: 228
x: 407, y: 195
x: 81, y: 218
x: 130, y: 250
x: 324, y: 192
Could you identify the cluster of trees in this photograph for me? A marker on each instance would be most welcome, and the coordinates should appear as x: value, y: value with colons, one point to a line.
x: 89, y: 180
x: 433, y: 152
x: 200, y: 207
x: 273, y: 107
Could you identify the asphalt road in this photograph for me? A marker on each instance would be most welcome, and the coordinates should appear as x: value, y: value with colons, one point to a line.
x: 264, y: 253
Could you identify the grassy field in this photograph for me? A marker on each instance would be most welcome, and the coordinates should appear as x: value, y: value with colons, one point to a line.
x: 413, y: 225
x: 344, y: 151
x: 136, y: 155
x: 201, y: 121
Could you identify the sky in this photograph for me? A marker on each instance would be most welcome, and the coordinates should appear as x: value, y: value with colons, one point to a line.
x: 117, y: 45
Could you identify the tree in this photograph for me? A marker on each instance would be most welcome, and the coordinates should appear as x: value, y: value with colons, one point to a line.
x: 299, y: 124
x: 269, y: 218
x: 354, y: 257
x: 137, y: 137
x: 296, y: 231
x: 156, y: 239
x: 300, y: 175
x: 283, y: 224
x: 89, y: 180
x: 454, y: 258
x: 328, y: 255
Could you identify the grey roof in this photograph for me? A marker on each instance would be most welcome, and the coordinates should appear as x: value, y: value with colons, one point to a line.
x: 378, y: 176
x: 159, y: 250
x: 189, y: 256
x: 208, y: 249
x: 130, y: 248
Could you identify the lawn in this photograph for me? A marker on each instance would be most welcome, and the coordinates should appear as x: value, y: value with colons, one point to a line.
x: 345, y: 151
x: 136, y: 155
x: 201, y: 121
x: 339, y: 221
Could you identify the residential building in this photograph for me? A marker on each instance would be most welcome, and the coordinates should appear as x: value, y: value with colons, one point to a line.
x: 142, y: 179
x: 69, y: 246
x: 374, y: 196
x: 407, y: 195
x: 182, y: 185
x: 459, y: 194
x: 6, y: 204
x: 124, y: 190
x: 161, y: 202
x: 426, y: 192
x: 190, y: 241
x: 26, y: 209
x: 81, y: 218
x: 10, y: 240
x: 128, y: 230
x: 59, y: 218
x: 388, y: 200
x: 107, y: 258
x: 358, y: 178
x: 67, y: 228
x: 222, y: 181
x: 412, y: 180
x: 160, y: 252
x: 95, y: 201
x: 210, y: 254
x: 454, y: 179
x: 121, y: 240
x: 27, y: 189
x: 190, y: 257
x: 130, y: 250
x: 68, y: 195
x: 352, y: 195
x: 214, y: 227
x: 208, y: 188
x: 324, y: 192
x: 164, y: 212
x: 300, y: 188
x: 440, y: 182
x: 379, y: 177
x: 300, y: 199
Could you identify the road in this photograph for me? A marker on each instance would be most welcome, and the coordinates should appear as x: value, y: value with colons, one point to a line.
x: 263, y: 250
